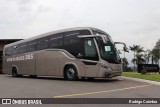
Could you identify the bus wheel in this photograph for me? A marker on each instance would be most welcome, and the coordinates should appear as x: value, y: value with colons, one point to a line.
x: 14, y: 72
x: 70, y: 73
x: 90, y: 78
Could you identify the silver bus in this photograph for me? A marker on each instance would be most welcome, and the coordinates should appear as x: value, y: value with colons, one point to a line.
x: 73, y: 53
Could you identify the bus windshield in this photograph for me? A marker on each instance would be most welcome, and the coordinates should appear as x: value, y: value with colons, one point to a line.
x: 107, y: 51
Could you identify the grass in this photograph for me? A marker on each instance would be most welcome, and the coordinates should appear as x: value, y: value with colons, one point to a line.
x: 148, y: 76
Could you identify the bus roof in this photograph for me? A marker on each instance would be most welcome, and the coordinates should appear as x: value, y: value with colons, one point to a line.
x: 50, y: 33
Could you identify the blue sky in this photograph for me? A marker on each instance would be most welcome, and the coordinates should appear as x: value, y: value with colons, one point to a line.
x: 130, y: 21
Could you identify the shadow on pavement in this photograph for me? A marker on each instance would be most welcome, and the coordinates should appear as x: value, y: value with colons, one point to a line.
x: 101, y: 80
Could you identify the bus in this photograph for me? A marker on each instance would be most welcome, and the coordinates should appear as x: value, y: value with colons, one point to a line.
x: 80, y: 52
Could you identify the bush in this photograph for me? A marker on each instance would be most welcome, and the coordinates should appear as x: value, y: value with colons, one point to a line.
x: 143, y: 71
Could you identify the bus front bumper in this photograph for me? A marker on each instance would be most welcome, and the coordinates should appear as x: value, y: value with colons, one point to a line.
x: 112, y: 74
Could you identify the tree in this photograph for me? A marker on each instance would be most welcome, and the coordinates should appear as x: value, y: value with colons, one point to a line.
x: 138, y: 56
x: 147, y: 56
x: 140, y: 59
x: 156, y: 52
x: 125, y: 63
x: 134, y: 48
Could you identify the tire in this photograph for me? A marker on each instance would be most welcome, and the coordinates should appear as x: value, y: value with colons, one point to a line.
x: 70, y: 73
x: 14, y: 72
x: 90, y: 78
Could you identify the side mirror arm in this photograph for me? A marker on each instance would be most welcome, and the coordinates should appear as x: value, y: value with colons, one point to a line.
x: 124, y: 48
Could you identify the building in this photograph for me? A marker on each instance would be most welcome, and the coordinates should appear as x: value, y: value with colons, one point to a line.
x: 2, y: 43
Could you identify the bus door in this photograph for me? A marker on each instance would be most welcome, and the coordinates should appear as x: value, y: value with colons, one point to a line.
x: 90, y: 58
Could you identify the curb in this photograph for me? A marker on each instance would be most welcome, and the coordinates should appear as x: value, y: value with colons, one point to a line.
x: 141, y: 80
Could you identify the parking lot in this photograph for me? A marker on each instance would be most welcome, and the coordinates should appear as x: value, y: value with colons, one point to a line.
x: 52, y: 87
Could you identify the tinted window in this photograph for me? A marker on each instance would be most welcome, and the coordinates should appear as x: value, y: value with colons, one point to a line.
x: 15, y: 49
x: 73, y: 44
x: 8, y: 51
x: 56, y: 41
x: 22, y: 48
x: 32, y: 46
x: 71, y: 37
x: 42, y: 43
x: 90, y: 50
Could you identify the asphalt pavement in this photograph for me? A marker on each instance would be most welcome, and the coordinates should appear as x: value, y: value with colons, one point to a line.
x: 53, y: 87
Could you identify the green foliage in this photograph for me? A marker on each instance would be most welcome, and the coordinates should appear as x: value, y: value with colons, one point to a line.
x: 138, y: 56
x: 147, y: 55
x: 125, y: 61
x: 156, y: 52
x: 147, y: 76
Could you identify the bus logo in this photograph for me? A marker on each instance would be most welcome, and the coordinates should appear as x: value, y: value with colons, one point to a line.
x: 21, y: 58
x: 6, y: 101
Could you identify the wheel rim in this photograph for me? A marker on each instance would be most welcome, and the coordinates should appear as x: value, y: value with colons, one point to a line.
x: 71, y: 73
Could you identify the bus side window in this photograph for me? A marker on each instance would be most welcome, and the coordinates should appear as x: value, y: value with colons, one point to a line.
x: 32, y: 46
x: 22, y: 48
x: 85, y: 32
x: 15, y: 49
x: 71, y: 37
x: 73, y: 44
x: 56, y: 41
x: 90, y: 50
x: 8, y: 51
x: 42, y: 43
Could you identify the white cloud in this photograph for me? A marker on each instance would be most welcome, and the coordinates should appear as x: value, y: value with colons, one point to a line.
x: 130, y: 21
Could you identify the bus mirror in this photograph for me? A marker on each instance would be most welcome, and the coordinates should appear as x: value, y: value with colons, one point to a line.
x: 124, y: 48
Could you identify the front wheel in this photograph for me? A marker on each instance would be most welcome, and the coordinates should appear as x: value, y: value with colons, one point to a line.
x: 70, y: 73
x: 14, y: 72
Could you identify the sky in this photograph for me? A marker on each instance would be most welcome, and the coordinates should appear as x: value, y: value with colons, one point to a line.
x: 129, y: 21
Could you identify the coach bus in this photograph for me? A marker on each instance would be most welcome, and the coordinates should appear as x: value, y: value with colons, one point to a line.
x: 73, y: 53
